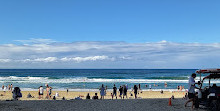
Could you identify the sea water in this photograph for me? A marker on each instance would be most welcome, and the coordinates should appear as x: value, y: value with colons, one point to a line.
x: 92, y: 79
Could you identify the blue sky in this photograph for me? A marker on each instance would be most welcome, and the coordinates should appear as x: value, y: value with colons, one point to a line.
x: 113, y: 20
x: 109, y: 34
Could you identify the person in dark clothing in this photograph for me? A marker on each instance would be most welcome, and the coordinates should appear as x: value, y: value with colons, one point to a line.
x: 88, y: 96
x: 124, y: 91
x: 139, y: 88
x: 121, y: 91
x: 95, y: 97
x: 114, y: 91
x: 135, y: 91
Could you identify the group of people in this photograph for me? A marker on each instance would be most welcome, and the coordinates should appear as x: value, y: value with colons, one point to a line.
x: 48, y: 90
x: 180, y: 88
x: 123, y: 90
x: 94, y: 97
x: 9, y: 87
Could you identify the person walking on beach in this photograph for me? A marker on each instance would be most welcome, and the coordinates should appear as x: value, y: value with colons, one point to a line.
x: 114, y: 92
x: 102, y: 91
x: 191, y: 89
x: 135, y: 91
x: 41, y: 92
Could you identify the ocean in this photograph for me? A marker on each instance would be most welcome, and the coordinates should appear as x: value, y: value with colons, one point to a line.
x: 84, y: 79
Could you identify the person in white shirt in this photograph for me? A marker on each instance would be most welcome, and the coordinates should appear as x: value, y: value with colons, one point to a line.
x: 191, y: 89
x: 41, y: 92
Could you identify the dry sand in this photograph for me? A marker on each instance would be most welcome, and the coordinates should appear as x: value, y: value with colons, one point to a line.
x: 73, y: 94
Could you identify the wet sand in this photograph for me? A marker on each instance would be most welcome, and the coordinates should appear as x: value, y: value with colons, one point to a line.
x: 96, y: 105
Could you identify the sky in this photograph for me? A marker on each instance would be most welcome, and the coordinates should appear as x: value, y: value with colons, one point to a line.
x: 109, y: 34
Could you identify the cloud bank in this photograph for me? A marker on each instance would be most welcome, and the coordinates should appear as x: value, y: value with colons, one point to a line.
x: 46, y: 53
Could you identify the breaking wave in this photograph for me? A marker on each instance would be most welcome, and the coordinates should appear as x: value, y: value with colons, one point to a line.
x: 28, y: 79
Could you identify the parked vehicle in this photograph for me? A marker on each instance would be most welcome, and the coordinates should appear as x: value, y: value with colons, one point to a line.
x: 209, y: 96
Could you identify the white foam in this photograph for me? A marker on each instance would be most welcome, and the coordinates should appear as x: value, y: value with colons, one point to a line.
x: 84, y: 79
x: 97, y: 90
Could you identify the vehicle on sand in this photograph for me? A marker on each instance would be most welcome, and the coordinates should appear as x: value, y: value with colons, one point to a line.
x: 209, y: 96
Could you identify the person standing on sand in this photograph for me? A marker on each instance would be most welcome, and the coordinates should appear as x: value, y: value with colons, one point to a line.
x: 139, y: 88
x: 50, y: 91
x: 102, y: 91
x: 47, y: 89
x: 41, y: 92
x: 106, y: 90
x: 125, y: 91
x: 114, y: 91
x: 11, y: 87
x: 191, y: 89
x: 120, y: 91
x: 135, y: 91
x: 150, y: 86
x: 3, y: 87
x: 180, y: 87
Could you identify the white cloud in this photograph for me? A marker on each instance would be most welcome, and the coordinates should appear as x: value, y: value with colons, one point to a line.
x: 47, y: 59
x: 83, y: 59
x: 113, y: 54
x: 36, y: 41
x: 5, y: 60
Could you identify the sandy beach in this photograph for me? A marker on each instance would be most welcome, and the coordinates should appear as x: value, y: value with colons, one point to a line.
x: 72, y: 94
x: 148, y: 100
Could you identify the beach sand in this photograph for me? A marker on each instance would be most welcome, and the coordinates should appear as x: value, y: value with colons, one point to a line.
x: 150, y: 101
x: 73, y: 94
